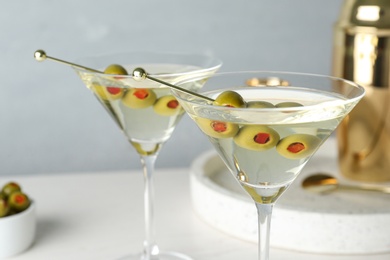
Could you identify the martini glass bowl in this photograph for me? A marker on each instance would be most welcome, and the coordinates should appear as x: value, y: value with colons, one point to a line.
x: 146, y: 112
x: 267, y: 138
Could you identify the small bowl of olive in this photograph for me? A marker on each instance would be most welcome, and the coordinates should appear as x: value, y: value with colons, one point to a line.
x: 17, y: 220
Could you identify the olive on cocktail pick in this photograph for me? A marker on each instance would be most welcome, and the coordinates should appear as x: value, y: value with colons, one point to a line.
x: 221, y: 129
x: 139, y: 98
x: 229, y: 99
x: 114, y: 92
x: 167, y: 106
x: 298, y: 146
x: 257, y: 137
x: 107, y: 92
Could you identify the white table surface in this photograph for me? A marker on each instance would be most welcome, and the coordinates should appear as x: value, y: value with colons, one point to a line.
x: 100, y: 216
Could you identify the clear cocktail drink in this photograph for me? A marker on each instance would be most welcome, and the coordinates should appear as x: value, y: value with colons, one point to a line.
x: 266, y: 133
x: 268, y: 148
x: 146, y: 112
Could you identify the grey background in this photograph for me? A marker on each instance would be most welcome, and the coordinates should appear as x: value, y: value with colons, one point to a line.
x: 50, y: 123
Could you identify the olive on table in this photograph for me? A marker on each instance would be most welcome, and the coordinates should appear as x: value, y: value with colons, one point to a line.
x: 18, y: 201
x: 9, y: 188
x: 4, y: 207
x: 115, y: 69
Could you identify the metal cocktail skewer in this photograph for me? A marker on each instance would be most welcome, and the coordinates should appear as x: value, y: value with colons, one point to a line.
x: 40, y: 55
x: 139, y: 74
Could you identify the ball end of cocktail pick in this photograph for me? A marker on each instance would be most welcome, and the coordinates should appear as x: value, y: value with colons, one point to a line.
x: 40, y: 55
x: 139, y: 74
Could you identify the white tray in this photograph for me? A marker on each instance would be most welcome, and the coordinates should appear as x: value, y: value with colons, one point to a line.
x: 337, y: 223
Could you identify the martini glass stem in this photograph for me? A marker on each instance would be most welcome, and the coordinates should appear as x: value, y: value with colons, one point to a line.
x: 264, y: 212
x: 151, y: 250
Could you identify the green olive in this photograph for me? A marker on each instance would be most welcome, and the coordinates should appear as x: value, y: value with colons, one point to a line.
x: 167, y: 106
x: 259, y: 104
x: 298, y: 146
x: 4, y: 207
x: 18, y: 201
x: 289, y: 104
x: 115, y: 92
x: 217, y: 129
x: 229, y: 99
x: 139, y: 98
x: 107, y: 92
x: 257, y: 137
x: 99, y: 91
x: 115, y: 69
x: 9, y: 188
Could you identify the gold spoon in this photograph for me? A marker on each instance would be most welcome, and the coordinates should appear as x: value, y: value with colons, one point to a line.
x: 324, y: 183
x: 139, y: 74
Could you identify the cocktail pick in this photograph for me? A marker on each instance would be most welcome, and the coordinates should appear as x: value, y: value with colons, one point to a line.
x: 139, y: 74
x: 40, y: 55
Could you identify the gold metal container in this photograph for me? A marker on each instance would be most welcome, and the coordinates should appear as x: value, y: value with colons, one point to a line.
x: 362, y: 54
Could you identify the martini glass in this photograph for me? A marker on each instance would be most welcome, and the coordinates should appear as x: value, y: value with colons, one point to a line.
x: 267, y: 139
x: 146, y: 111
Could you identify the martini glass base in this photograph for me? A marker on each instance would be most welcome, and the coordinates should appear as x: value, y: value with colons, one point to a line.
x: 169, y: 255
